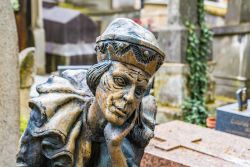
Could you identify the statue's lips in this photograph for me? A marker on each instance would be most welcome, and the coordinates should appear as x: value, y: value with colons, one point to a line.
x: 118, y: 111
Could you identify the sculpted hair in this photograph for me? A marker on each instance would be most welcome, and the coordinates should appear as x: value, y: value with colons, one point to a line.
x: 95, y: 73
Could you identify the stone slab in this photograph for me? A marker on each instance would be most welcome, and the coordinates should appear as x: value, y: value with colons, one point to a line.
x: 231, y: 120
x: 9, y: 86
x: 179, y: 144
x: 231, y: 29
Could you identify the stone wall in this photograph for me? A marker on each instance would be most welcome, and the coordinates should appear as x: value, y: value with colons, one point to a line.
x: 231, y: 50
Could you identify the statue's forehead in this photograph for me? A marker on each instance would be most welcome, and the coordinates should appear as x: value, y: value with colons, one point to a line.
x: 132, y: 71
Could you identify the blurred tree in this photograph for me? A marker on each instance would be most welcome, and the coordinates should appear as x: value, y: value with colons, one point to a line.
x: 20, y: 8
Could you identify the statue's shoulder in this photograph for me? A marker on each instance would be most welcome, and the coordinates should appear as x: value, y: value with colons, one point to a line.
x: 57, y: 91
x: 70, y: 81
x: 56, y: 121
x: 77, y: 78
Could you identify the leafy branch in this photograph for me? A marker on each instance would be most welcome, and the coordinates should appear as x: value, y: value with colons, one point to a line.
x: 194, y: 107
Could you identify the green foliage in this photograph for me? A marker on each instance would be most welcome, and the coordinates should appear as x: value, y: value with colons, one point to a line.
x: 194, y: 108
x: 15, y: 5
x: 195, y: 111
x: 23, y: 124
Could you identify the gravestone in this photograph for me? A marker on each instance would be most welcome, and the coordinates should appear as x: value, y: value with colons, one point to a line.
x: 231, y: 120
x: 231, y: 50
x: 9, y: 86
x: 70, y: 38
x: 179, y: 144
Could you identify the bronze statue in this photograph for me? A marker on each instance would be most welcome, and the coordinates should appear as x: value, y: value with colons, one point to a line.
x: 100, y: 117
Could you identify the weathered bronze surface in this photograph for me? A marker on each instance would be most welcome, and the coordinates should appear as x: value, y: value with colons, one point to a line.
x: 99, y: 117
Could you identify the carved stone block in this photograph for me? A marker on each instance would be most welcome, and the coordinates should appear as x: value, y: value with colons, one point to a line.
x: 179, y: 144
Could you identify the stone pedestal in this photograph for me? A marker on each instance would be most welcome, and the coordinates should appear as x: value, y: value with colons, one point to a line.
x: 9, y: 86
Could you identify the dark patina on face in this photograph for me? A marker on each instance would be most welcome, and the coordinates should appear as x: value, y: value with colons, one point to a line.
x: 120, y: 91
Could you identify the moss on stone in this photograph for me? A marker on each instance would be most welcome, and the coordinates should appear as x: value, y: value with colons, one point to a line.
x: 23, y: 124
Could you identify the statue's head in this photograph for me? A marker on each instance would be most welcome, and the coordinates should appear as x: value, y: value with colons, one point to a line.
x: 128, y: 55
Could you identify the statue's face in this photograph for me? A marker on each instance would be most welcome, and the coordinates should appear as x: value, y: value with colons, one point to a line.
x: 120, y: 92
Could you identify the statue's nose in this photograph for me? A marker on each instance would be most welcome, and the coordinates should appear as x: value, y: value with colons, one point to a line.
x: 130, y: 95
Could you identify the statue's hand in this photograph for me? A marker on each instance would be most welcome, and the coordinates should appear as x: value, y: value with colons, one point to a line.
x: 115, y: 134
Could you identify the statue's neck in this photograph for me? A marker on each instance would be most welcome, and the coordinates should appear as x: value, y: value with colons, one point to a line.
x: 96, y: 119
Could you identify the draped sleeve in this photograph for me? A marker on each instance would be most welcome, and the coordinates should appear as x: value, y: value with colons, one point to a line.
x: 57, y: 134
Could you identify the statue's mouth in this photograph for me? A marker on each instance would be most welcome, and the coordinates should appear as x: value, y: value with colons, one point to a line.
x: 118, y: 111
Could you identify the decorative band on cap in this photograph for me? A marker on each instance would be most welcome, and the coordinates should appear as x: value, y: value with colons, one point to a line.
x: 130, y: 40
x: 142, y: 57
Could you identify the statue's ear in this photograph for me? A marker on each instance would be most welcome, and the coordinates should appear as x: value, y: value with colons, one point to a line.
x: 149, y: 87
x: 148, y: 111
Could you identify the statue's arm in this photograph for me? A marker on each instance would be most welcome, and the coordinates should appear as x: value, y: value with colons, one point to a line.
x: 114, y: 136
x: 29, y: 154
x: 142, y: 132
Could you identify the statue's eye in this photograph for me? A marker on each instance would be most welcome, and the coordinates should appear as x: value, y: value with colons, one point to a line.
x: 120, y: 81
x: 139, y: 91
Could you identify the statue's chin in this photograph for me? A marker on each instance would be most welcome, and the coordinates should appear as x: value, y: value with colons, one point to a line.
x: 114, y: 118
